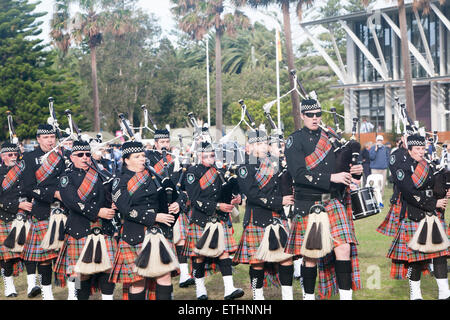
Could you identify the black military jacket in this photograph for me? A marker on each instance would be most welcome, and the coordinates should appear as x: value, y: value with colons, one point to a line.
x: 261, y: 201
x: 174, y: 176
x: 397, y: 158
x: 416, y: 200
x: 43, y: 193
x: 316, y: 181
x: 137, y: 210
x: 83, y: 213
x: 204, y: 202
x: 9, y: 198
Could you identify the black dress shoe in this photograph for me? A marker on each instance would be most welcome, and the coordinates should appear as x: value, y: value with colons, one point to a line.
x: 235, y: 294
x: 34, y: 292
x: 12, y: 295
x: 203, y: 297
x: 187, y: 283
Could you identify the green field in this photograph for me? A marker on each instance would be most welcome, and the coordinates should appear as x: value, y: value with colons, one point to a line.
x: 373, y: 263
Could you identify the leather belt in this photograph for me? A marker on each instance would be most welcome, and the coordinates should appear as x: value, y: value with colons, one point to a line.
x: 316, y: 197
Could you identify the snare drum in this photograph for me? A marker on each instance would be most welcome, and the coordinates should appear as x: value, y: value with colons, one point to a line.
x: 364, y: 203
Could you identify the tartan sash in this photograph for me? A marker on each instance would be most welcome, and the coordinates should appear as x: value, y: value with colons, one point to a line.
x: 136, y: 181
x: 159, y: 166
x: 264, y: 173
x: 87, y: 185
x: 321, y: 151
x: 12, y: 176
x: 208, y: 178
x: 420, y: 173
x: 46, y: 169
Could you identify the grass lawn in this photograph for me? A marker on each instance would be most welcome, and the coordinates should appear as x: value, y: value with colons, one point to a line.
x: 375, y: 269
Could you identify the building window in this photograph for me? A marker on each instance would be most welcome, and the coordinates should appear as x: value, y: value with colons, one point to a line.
x: 371, y: 107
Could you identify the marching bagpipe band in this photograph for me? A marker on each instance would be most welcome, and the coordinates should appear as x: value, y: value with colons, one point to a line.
x: 20, y: 226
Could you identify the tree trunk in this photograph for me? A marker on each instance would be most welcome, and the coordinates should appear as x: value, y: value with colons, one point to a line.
x: 290, y: 59
x: 95, y: 90
x: 409, y: 90
x: 218, y: 84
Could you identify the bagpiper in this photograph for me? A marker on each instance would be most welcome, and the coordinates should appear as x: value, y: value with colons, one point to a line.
x: 421, y: 234
x: 145, y: 261
x: 89, y: 248
x: 209, y: 236
x: 41, y: 184
x: 14, y: 211
x: 321, y: 228
x: 169, y: 167
x: 265, y: 224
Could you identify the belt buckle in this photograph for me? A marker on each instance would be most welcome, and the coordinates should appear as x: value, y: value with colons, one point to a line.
x: 429, y: 193
x: 326, y: 197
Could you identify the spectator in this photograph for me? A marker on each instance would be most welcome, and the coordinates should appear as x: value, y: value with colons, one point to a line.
x: 447, y: 159
x: 379, y: 159
x: 365, y: 158
x: 366, y: 126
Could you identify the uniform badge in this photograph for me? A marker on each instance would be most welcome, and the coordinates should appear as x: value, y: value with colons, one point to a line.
x: 200, y: 204
x: 263, y: 200
x: 289, y: 142
x: 243, y: 172
x: 22, y: 165
x: 310, y: 178
x: 417, y: 198
x: 81, y: 205
x: 190, y: 178
x: 116, y: 195
x: 392, y: 160
x: 133, y: 213
x: 37, y: 191
x: 64, y: 181
x: 115, y: 183
x: 400, y: 175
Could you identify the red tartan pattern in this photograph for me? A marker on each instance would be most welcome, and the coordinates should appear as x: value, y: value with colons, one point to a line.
x: 32, y: 250
x: 420, y: 173
x: 138, y: 179
x: 122, y: 270
x: 159, y: 166
x: 400, y: 253
x: 208, y: 178
x: 390, y: 224
x: 327, y: 284
x: 11, y: 177
x: 46, y: 169
x: 5, y: 253
x: 264, y: 174
x: 321, y: 151
x: 399, y: 270
x: 149, y: 287
x: 195, y: 233
x: 342, y: 229
x: 183, y: 225
x: 88, y: 184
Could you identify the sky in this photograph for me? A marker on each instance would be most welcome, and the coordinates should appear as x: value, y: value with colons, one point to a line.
x: 161, y: 9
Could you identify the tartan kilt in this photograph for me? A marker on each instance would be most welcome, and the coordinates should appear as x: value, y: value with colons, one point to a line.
x: 342, y: 229
x: 401, y: 254
x: 32, y: 250
x: 183, y: 225
x: 251, y: 240
x: 5, y: 253
x: 122, y: 270
x: 195, y: 233
x: 391, y: 222
x: 71, y: 251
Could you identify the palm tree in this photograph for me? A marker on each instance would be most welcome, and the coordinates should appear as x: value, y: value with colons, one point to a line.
x: 196, y: 18
x: 285, y: 8
x: 89, y: 26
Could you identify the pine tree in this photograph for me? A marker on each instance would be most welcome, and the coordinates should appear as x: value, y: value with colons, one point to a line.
x: 27, y: 75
